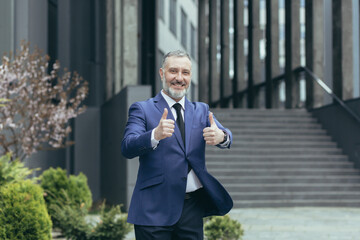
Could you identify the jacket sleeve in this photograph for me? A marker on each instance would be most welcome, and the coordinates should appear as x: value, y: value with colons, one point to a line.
x: 137, y: 139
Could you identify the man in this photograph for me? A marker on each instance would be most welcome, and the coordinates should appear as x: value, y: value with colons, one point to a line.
x: 174, y: 191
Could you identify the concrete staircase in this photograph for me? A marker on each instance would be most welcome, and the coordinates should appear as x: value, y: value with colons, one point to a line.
x: 282, y: 158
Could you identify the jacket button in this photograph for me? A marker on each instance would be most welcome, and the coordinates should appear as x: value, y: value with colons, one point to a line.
x: 184, y: 178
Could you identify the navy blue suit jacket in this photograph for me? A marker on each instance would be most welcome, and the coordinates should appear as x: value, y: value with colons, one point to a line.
x: 159, y: 192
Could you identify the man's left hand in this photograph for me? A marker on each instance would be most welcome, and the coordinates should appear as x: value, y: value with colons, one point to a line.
x: 213, y: 135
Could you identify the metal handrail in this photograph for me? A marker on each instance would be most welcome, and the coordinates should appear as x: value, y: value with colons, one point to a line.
x: 331, y: 93
x: 297, y: 70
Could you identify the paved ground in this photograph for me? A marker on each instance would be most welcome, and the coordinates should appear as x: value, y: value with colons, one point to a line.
x: 297, y: 223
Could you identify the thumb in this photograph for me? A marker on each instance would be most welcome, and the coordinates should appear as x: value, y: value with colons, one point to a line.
x: 164, y: 116
x: 212, y: 121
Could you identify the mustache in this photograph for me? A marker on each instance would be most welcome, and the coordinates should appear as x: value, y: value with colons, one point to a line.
x: 178, y: 82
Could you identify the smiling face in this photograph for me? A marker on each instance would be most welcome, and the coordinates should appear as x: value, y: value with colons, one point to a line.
x: 176, y: 76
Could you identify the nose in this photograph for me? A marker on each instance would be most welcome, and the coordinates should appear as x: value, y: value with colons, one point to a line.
x: 178, y: 76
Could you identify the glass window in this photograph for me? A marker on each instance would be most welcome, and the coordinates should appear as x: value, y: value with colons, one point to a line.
x: 183, y: 28
x: 161, y: 10
x: 173, y: 16
x: 193, y: 42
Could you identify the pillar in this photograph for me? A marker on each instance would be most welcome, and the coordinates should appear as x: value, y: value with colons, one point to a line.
x: 314, y: 51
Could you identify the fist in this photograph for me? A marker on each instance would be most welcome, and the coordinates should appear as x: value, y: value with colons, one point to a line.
x: 213, y: 135
x: 165, y: 127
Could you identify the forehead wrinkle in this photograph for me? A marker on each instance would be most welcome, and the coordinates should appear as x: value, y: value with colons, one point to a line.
x: 167, y: 62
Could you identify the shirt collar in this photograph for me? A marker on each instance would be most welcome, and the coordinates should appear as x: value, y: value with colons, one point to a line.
x: 171, y: 101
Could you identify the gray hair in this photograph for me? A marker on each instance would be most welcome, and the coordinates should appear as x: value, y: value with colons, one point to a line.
x: 176, y: 53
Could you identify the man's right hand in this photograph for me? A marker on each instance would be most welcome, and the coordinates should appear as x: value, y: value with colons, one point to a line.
x: 165, y: 128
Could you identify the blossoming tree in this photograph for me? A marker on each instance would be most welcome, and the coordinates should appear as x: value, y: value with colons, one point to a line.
x: 39, y: 105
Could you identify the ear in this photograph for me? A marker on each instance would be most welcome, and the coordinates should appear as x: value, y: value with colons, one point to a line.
x: 161, y: 73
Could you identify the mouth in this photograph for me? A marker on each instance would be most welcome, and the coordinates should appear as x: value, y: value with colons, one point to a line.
x: 178, y: 84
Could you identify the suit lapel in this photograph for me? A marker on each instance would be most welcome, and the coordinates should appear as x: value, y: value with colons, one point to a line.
x: 160, y: 104
x: 189, y: 116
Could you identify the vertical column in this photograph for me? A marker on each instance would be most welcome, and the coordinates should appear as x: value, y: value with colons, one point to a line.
x: 337, y: 48
x: 292, y: 51
x: 225, y: 83
x: 118, y: 45
x: 268, y: 59
x: 130, y: 39
x: 250, y: 92
x: 203, y: 57
x: 347, y: 50
x: 7, y: 20
x: 295, y: 44
x: 214, y: 93
x: 314, y: 51
x: 239, y: 56
x: 109, y: 49
x: 275, y: 66
x: 148, y: 35
x: 255, y: 41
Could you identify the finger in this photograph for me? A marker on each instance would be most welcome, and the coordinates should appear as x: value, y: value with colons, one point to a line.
x: 169, y: 121
x: 212, y: 121
x: 207, y: 129
x: 164, y: 116
x: 209, y: 134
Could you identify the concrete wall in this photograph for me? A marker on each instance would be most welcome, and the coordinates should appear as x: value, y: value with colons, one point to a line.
x: 118, y: 174
x: 342, y: 127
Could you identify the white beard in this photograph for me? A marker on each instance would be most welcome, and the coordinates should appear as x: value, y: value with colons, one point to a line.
x: 173, y: 93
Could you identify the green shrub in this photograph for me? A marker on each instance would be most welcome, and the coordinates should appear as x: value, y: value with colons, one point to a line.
x: 12, y: 171
x: 113, y: 225
x: 73, y: 224
x: 223, y: 228
x: 71, y: 221
x: 23, y: 214
x: 59, y: 188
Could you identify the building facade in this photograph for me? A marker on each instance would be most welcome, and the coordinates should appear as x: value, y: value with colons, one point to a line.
x: 238, y: 48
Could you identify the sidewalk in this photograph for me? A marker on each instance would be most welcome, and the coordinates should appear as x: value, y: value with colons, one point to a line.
x: 297, y: 223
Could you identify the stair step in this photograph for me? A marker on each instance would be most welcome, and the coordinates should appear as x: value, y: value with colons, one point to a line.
x: 269, y: 121
x: 288, y: 132
x: 278, y: 138
x: 252, y: 125
x: 295, y: 195
x: 295, y: 187
x: 276, y: 144
x: 279, y: 165
x: 278, y: 151
x: 283, y: 172
x: 243, y: 158
x: 260, y: 113
x: 297, y: 203
x: 289, y: 179
x: 282, y: 158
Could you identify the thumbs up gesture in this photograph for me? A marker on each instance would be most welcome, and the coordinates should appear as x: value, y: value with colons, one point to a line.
x: 165, y: 127
x: 213, y: 135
